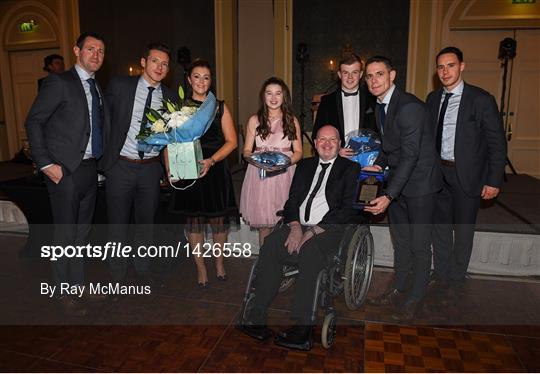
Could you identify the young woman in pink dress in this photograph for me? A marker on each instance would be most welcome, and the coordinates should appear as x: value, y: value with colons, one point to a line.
x: 273, y: 128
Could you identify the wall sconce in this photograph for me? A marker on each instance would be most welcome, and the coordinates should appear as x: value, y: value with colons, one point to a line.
x: 134, y: 70
x: 29, y: 26
x: 332, y: 69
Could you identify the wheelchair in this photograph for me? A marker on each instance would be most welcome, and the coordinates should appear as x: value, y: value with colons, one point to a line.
x: 348, y: 271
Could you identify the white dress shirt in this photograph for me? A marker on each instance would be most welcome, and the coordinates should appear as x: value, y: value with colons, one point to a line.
x: 130, y: 146
x: 84, y: 75
x: 319, y: 206
x: 351, y: 114
x: 450, y: 119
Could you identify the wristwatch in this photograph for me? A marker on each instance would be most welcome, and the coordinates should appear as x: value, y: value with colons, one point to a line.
x: 388, y: 196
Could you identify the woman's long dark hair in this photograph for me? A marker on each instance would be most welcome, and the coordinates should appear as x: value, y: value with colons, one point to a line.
x: 289, y: 129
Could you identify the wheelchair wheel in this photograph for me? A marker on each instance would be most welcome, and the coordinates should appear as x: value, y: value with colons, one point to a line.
x: 288, y: 278
x: 358, y: 267
x: 328, y: 331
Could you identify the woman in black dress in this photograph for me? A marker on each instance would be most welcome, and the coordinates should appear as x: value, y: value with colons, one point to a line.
x: 210, y: 200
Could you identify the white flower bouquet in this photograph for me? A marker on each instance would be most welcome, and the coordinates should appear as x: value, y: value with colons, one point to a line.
x: 176, y: 123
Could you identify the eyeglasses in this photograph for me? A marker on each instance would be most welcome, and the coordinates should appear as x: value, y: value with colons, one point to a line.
x: 330, y: 140
x: 378, y: 75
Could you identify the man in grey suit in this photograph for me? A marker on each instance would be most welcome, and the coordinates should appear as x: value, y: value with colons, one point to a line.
x: 472, y: 148
x: 64, y: 129
x: 408, y: 149
x: 133, y: 177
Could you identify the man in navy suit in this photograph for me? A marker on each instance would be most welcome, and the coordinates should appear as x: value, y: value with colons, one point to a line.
x: 414, y: 179
x: 350, y: 107
x: 472, y: 148
x: 315, y: 216
x: 64, y: 128
x: 133, y: 177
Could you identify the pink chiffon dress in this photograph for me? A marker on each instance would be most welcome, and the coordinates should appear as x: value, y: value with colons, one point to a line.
x: 262, y: 198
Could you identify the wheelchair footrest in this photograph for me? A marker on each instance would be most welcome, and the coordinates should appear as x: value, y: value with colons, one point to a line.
x: 291, y: 272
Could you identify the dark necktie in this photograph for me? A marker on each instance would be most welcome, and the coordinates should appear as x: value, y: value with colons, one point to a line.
x: 382, y: 115
x: 97, y: 139
x: 440, y: 123
x: 144, y: 119
x: 315, y: 190
x: 349, y: 93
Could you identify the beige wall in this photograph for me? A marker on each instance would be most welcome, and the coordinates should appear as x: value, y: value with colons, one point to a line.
x: 477, y: 27
x: 253, y: 42
x: 58, y: 22
x: 431, y: 23
x: 255, y: 54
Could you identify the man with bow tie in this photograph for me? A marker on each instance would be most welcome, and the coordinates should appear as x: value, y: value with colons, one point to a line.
x: 408, y: 149
x: 64, y: 127
x: 350, y: 107
x: 315, y: 216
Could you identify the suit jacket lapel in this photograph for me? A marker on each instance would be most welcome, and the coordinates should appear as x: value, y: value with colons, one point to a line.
x: 130, y: 101
x: 332, y: 178
x: 361, y: 108
x: 339, y: 106
x: 167, y: 93
x: 80, y: 88
x: 391, y: 111
x: 463, y: 110
x: 436, y: 103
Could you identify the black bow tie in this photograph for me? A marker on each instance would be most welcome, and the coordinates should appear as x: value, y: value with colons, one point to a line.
x: 350, y: 93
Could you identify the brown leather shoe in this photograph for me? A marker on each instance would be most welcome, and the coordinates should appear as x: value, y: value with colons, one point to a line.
x: 72, y: 307
x: 409, y: 311
x: 390, y: 297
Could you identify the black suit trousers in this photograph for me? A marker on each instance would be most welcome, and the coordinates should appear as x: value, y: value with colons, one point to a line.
x: 73, y: 201
x: 410, y: 227
x: 311, y: 260
x: 453, y: 233
x: 132, y: 192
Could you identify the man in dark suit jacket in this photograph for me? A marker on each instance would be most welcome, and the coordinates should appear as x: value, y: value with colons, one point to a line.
x: 472, y: 147
x: 349, y: 108
x: 315, y: 215
x: 414, y: 178
x: 64, y: 129
x: 133, y: 177
x: 52, y: 64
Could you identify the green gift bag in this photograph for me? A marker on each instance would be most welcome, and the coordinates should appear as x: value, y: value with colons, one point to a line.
x: 184, y: 160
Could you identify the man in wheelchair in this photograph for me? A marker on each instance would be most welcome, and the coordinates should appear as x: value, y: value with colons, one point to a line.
x: 315, y: 217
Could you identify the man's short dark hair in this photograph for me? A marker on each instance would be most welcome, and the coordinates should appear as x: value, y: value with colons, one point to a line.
x: 349, y: 60
x: 84, y: 35
x: 158, y: 47
x: 49, y: 60
x: 384, y: 60
x: 453, y: 50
